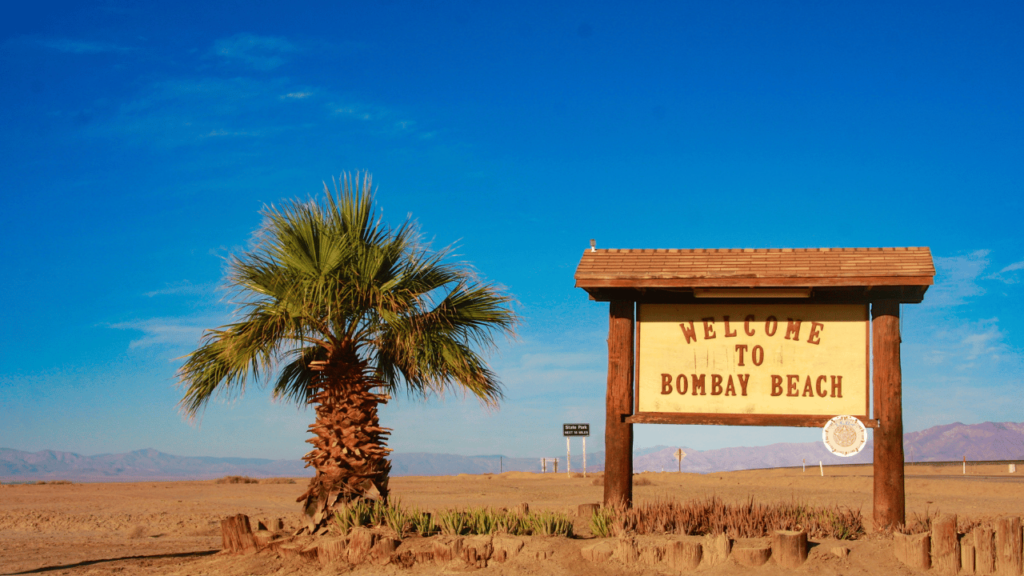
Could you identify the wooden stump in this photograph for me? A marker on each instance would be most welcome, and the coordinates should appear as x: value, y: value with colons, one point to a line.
x: 477, y: 550
x: 984, y: 551
x: 913, y: 550
x: 507, y: 547
x: 945, y: 548
x: 331, y: 550
x: 752, y: 556
x: 967, y: 554
x: 360, y: 542
x: 447, y: 548
x: 236, y: 534
x: 424, y: 555
x: 625, y: 550
x: 309, y: 552
x: 1008, y: 546
x: 404, y: 559
x: 684, y: 554
x: 716, y: 549
x: 587, y: 510
x: 262, y: 538
x: 289, y: 550
x: 789, y: 548
x: 382, y: 550
x: 599, y: 552
x: 651, y: 554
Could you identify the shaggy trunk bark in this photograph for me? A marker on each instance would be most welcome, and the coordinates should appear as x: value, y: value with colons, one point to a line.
x: 349, y: 446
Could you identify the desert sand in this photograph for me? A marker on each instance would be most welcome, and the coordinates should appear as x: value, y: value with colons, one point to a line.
x: 174, y: 527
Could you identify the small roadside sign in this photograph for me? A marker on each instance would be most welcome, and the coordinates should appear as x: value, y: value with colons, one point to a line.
x: 570, y: 430
x: 679, y: 454
x: 575, y: 429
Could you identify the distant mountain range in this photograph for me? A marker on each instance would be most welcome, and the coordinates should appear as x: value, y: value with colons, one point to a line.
x: 987, y: 441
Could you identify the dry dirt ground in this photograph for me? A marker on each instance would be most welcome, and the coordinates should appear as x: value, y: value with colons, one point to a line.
x: 173, y: 527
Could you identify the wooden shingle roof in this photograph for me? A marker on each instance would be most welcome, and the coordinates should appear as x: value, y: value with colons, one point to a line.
x: 747, y: 267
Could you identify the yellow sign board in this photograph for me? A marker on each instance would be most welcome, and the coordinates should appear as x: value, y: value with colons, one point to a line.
x: 757, y: 359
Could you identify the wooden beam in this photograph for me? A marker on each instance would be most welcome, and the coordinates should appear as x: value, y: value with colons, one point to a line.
x: 612, y: 280
x: 618, y: 434
x: 830, y: 294
x: 798, y: 420
x: 889, y: 488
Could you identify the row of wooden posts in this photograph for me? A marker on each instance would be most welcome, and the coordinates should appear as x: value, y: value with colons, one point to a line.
x: 983, y: 550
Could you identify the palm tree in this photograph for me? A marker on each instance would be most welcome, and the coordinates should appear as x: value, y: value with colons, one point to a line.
x: 339, y: 311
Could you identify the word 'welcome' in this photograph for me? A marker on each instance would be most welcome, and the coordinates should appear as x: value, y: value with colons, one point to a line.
x: 771, y: 327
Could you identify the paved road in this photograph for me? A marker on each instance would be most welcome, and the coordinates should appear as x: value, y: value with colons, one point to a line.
x: 971, y: 477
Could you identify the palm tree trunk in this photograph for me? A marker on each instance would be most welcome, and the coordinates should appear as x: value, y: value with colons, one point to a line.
x: 349, y: 446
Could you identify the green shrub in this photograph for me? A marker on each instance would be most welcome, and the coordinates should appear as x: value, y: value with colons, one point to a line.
x: 551, y: 524
x: 453, y: 523
x: 601, y: 523
x: 423, y: 523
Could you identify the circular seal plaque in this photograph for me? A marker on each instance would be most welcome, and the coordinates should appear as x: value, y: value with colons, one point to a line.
x: 844, y: 435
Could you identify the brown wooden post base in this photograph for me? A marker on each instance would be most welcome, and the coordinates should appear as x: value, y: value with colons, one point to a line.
x: 236, y: 534
x: 618, y: 434
x: 890, y: 492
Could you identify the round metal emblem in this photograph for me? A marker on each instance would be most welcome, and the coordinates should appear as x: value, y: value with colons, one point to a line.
x: 844, y: 435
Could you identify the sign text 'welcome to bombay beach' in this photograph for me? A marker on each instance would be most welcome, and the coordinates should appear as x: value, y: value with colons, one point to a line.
x: 753, y: 359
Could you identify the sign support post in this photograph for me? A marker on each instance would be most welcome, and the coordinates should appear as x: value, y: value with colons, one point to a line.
x: 568, y: 459
x: 618, y: 434
x: 889, y: 489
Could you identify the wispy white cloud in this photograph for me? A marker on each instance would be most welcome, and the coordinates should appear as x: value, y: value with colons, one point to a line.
x: 1008, y: 275
x: 171, y: 332
x: 72, y: 46
x: 353, y: 112
x: 986, y: 341
x: 961, y: 345
x: 186, y: 111
x: 256, y: 52
x: 216, y: 133
x: 182, y: 288
x: 957, y: 279
x: 190, y: 111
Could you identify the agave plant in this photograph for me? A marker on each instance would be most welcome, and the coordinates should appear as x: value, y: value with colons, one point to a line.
x: 340, y: 310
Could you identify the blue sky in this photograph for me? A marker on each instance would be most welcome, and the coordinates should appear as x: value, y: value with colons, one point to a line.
x: 138, y: 144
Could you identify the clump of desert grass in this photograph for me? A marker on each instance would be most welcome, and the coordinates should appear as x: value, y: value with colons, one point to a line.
x: 917, y: 523
x: 711, y: 515
x: 452, y: 522
x: 248, y: 480
x: 236, y: 480
x: 921, y: 522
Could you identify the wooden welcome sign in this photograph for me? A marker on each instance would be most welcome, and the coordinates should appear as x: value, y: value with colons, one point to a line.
x: 782, y: 337
x: 747, y: 363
